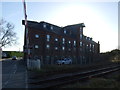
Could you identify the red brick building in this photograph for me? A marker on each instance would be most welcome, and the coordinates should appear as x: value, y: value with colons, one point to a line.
x: 49, y: 43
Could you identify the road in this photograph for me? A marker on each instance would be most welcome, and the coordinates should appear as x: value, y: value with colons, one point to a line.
x: 14, y: 74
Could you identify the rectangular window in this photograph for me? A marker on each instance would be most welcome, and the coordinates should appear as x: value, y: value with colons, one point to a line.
x: 63, y: 40
x: 80, y: 43
x: 44, y: 25
x: 51, y: 27
x: 80, y: 36
x: 74, y: 43
x: 48, y: 37
x: 36, y: 46
x: 63, y: 48
x: 65, y: 31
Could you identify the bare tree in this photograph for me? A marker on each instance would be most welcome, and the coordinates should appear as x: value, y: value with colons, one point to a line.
x: 7, y: 35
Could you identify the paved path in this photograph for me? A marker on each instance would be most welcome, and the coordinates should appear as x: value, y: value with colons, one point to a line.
x: 14, y: 74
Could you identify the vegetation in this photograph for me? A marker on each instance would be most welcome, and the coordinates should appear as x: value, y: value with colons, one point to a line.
x: 13, y: 53
x: 113, y: 82
x: 7, y: 35
x: 112, y: 56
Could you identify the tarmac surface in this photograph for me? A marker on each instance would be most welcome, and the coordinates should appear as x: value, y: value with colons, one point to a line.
x: 14, y: 74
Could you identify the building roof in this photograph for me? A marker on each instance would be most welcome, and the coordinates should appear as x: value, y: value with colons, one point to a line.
x: 58, y: 30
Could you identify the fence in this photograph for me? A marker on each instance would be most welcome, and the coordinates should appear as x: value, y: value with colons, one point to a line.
x: 33, y: 64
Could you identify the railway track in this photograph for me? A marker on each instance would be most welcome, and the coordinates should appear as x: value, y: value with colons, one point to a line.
x: 73, y: 77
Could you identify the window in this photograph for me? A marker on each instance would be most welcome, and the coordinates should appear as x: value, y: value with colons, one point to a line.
x: 51, y: 27
x: 64, y: 31
x: 63, y: 48
x: 47, y: 46
x: 56, y: 39
x: 81, y: 30
x: 74, y: 43
x: 87, y: 45
x: 80, y: 36
x: 80, y: 43
x: 69, y: 42
x: 89, y: 39
x: 36, y: 36
x: 36, y: 46
x: 56, y: 48
x: 48, y: 37
x: 44, y: 25
x: 69, y: 49
x: 90, y: 45
x: 63, y: 39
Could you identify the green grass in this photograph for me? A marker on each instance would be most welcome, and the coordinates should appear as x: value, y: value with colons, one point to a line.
x: 112, y: 82
x: 96, y: 83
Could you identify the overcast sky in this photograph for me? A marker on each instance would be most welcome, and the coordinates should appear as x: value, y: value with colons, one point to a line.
x: 100, y: 19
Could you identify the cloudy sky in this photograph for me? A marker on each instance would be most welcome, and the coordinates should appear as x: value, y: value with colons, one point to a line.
x: 100, y: 18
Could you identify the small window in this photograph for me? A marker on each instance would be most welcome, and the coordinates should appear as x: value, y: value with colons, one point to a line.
x: 48, y: 37
x: 87, y: 45
x: 63, y: 48
x: 64, y: 31
x: 74, y: 43
x: 63, y: 39
x: 44, y: 25
x: 80, y: 43
x: 36, y: 36
x: 51, y: 27
x: 56, y: 39
x: 36, y: 46
x: 47, y: 46
x: 69, y: 42
x: 56, y: 48
x: 90, y: 45
x: 80, y: 36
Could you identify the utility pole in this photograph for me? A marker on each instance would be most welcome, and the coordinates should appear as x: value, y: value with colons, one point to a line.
x: 27, y: 37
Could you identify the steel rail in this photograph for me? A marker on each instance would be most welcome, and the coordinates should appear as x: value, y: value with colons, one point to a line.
x: 66, y: 79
